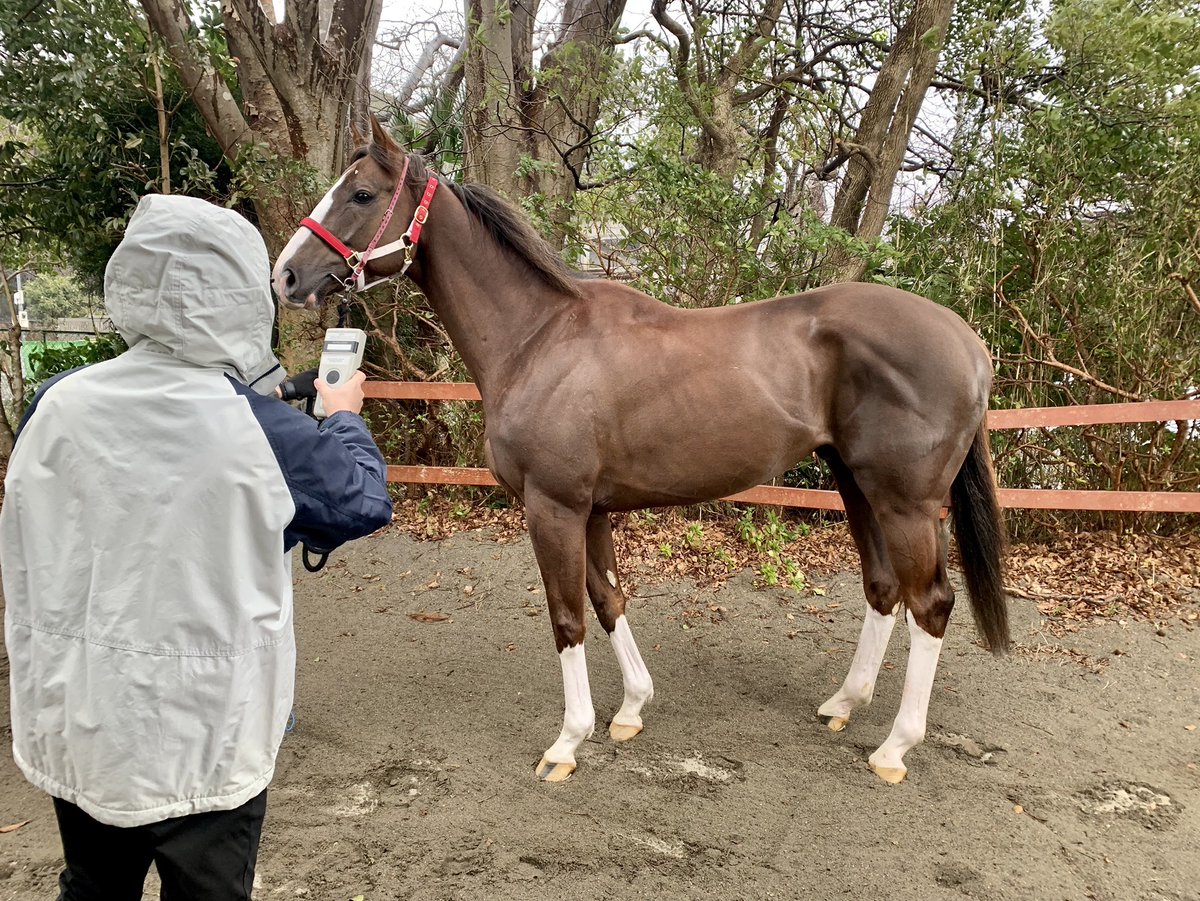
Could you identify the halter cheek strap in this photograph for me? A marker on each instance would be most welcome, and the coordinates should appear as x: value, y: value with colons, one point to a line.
x: 357, y: 280
x: 408, y: 241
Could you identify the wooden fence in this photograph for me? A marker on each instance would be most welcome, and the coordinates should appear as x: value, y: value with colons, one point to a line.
x: 1029, y: 498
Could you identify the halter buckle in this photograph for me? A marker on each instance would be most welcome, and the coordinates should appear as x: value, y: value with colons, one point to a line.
x: 408, y: 255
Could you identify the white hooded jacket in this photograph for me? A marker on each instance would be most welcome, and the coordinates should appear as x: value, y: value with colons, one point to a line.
x: 151, y: 503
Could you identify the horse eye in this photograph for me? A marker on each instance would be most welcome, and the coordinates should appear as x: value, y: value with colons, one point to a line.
x: 363, y: 197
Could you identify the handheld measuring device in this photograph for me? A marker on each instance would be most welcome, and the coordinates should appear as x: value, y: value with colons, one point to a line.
x: 340, y: 358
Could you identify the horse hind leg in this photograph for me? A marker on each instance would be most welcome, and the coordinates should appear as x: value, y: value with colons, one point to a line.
x: 917, y: 545
x: 881, y: 590
x: 604, y: 588
x: 558, y: 536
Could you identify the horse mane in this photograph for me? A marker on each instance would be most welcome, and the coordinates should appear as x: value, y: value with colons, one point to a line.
x: 507, y: 226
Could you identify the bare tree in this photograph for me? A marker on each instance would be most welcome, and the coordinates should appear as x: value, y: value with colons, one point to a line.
x: 11, y: 368
x: 529, y: 125
x: 717, y: 102
x: 877, y: 151
x: 297, y: 80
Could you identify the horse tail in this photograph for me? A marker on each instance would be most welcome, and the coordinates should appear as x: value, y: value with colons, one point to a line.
x: 979, y: 531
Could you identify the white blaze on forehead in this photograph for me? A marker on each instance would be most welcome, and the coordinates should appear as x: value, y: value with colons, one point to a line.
x: 320, y: 211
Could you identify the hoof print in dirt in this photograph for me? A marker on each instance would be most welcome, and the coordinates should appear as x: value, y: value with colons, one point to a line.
x: 420, y: 781
x: 358, y: 800
x: 1146, y: 804
x: 465, y: 863
x: 691, y: 771
x: 956, y: 875
x: 974, y: 752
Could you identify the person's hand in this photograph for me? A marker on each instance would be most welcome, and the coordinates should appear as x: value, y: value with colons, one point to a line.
x: 344, y: 396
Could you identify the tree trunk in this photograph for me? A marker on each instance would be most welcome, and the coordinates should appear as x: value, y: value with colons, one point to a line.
x: 528, y: 129
x: 498, y: 68
x: 717, y: 101
x: 877, y: 151
x: 298, y: 81
x: 14, y: 375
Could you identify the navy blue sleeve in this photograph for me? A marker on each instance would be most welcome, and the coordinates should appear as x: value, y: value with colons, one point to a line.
x: 41, y: 391
x: 334, y: 471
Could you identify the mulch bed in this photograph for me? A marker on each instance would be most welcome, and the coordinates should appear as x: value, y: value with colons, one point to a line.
x: 1079, y: 577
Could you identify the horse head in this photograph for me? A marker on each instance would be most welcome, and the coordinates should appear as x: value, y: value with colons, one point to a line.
x: 359, y: 227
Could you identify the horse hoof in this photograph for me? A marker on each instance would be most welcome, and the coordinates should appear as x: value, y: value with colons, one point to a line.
x: 554, y: 772
x: 836, y: 723
x: 623, y: 731
x: 893, y: 775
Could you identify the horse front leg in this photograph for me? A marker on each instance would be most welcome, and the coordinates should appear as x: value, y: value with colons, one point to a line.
x: 558, y: 535
x: 881, y: 590
x: 604, y: 588
x: 919, y: 553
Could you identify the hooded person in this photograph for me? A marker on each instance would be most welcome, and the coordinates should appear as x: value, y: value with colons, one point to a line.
x: 151, y: 504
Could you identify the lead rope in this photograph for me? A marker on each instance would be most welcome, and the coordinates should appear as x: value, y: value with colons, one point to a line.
x: 322, y: 557
x: 309, y: 564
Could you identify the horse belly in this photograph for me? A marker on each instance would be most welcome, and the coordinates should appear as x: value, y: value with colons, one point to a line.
x: 691, y: 462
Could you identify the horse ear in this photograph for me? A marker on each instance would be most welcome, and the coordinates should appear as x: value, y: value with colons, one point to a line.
x: 357, y: 138
x: 383, y: 138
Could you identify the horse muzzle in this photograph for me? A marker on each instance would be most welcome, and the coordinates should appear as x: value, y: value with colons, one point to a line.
x: 291, y: 295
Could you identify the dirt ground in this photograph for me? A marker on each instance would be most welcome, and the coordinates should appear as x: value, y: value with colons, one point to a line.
x: 1066, y: 771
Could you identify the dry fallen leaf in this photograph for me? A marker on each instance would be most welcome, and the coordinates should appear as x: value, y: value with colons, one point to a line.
x: 424, y: 616
x: 15, y: 826
x: 1079, y: 577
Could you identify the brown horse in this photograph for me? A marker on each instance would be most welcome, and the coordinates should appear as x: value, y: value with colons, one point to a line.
x: 598, y: 398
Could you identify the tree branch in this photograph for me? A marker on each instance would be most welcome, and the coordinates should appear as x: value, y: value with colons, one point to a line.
x: 679, y: 63
x: 170, y: 21
x: 422, y: 65
x: 1049, y: 359
x: 642, y: 33
x: 747, y: 53
x: 1188, y: 290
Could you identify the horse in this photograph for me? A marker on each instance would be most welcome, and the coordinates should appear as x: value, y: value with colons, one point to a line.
x: 600, y: 399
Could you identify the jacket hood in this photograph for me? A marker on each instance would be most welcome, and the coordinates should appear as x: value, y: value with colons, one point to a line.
x: 192, y: 279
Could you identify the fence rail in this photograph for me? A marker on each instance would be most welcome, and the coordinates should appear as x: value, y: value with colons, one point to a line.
x: 1026, y: 498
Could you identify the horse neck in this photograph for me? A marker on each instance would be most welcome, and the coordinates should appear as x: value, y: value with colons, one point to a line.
x: 488, y: 298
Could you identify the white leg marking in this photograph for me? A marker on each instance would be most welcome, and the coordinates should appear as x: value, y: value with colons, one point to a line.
x: 909, y: 728
x: 639, y: 688
x: 579, y: 719
x: 859, y: 687
x: 303, y: 234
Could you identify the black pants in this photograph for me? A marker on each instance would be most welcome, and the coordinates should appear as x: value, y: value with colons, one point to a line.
x: 199, y: 857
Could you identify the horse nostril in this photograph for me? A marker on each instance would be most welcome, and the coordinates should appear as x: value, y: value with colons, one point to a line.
x: 289, y: 280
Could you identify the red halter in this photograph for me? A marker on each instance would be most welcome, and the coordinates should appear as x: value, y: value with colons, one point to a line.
x: 357, y: 261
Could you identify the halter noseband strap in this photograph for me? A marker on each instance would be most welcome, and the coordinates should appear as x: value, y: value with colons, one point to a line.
x: 357, y: 280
